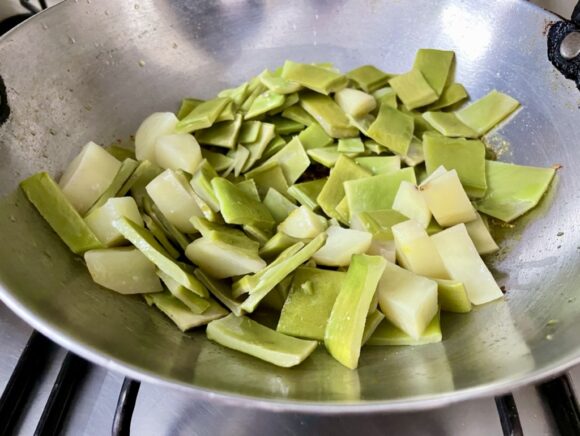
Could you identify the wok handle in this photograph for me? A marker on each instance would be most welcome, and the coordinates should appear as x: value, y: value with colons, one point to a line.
x: 564, y: 46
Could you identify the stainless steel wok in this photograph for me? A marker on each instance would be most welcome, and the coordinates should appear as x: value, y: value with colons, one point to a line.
x: 93, y: 70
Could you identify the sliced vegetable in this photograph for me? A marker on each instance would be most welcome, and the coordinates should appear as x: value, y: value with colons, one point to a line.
x: 278, y: 205
x: 194, y: 302
x: 269, y: 176
x: 341, y: 245
x: 247, y: 336
x: 448, y: 124
x: 389, y: 334
x: 276, y: 83
x: 302, y: 223
x: 355, y: 102
x: 328, y: 114
x: 374, y: 319
x: 411, y: 203
x: 435, y: 66
x: 368, y: 77
x: 379, y: 164
x: 220, y: 290
x: 452, y: 296
x: 314, y: 136
x: 488, y: 111
x: 202, y: 116
x: 224, y: 134
x: 101, y: 219
x: 392, y: 129
x: 479, y: 234
x: 249, y: 131
x: 318, y: 79
x: 350, y: 145
x: 451, y: 95
x: 413, y: 89
x: 326, y: 156
x: 181, y: 315
x: 307, y: 192
x: 263, y: 103
x: 298, y: 114
x: 154, y: 126
x: 258, y: 147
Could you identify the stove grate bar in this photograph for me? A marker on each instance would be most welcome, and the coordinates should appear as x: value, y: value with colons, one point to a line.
x: 125, y: 407
x: 559, y: 395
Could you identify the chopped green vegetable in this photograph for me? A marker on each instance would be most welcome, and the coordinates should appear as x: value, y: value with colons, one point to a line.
x: 128, y: 167
x: 379, y: 164
x: 181, y: 315
x: 194, y: 302
x: 392, y: 129
x: 202, y: 116
x: 355, y: 102
x: 302, y: 223
x: 275, y: 83
x: 326, y: 156
x: 224, y: 134
x: 249, y: 131
x: 264, y: 103
x: 238, y: 95
x: 278, y: 205
x: 479, y: 234
x: 488, y: 111
x: 368, y: 77
x: 277, y: 244
x: 257, y: 148
x: 435, y: 66
x: 218, y: 161
x: 314, y: 136
x: 345, y: 327
x: 451, y: 95
x: 309, y: 302
x: 307, y: 192
x: 448, y: 124
x: 313, y: 77
x: 220, y: 290
x: 292, y: 159
x: 43, y: 192
x: 284, y: 126
x: 157, y: 231
x: 187, y: 105
x: 269, y: 176
x: 350, y: 145
x: 467, y: 157
x: 247, y: 336
x: 512, y: 190
x: 101, y: 219
x: 201, y: 184
x: 389, y: 334
x: 374, y: 319
x: 298, y: 114
x: 413, y: 89
x: 411, y: 203
x: 341, y: 245
x: 328, y: 114
x: 387, y: 96
x: 452, y: 296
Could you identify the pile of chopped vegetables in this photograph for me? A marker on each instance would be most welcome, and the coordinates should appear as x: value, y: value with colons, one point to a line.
x: 354, y: 206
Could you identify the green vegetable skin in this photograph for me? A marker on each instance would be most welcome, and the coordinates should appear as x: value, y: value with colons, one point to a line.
x: 285, y: 158
x: 345, y: 328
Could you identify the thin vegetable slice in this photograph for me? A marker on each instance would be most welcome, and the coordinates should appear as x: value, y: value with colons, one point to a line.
x: 449, y: 125
x: 194, y: 302
x: 411, y: 203
x: 452, y: 296
x: 307, y: 192
x: 181, y: 315
x: 451, y: 95
x: 389, y: 334
x: 220, y: 290
x: 355, y: 102
x: 278, y: 205
x: 379, y: 164
x: 265, y: 102
x: 224, y: 134
x: 341, y: 245
x: 479, y: 234
x: 368, y: 77
x: 302, y: 223
x: 128, y: 167
x: 154, y: 126
x: 392, y: 129
x: 374, y: 319
x: 314, y: 136
x: 345, y: 327
x: 276, y: 83
x: 313, y: 77
x: 247, y: 336
x: 486, y: 112
x: 328, y: 114
x: 101, y: 219
x: 413, y: 89
x: 203, y: 116
x: 435, y: 66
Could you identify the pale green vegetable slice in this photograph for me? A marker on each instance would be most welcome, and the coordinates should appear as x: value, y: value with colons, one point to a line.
x: 374, y: 319
x: 101, y: 219
x: 128, y: 167
x: 363, y: 124
x: 224, y: 134
x: 181, y: 315
x: 408, y: 300
x: 452, y: 296
x: 257, y: 233
x: 488, y: 111
x: 343, y: 211
x: 179, y: 151
x: 237, y: 207
x: 307, y: 192
x: 341, y: 245
x: 345, y: 327
x: 124, y: 270
x: 154, y: 126
x: 228, y: 113
x: 264, y: 103
x: 313, y: 77
x: 194, y: 302
x: 269, y: 176
x: 159, y: 233
x: 386, y: 95
x: 328, y: 114
x: 121, y: 152
x: 350, y: 145
x: 379, y: 164
x: 292, y: 159
x: 169, y: 229
x: 392, y: 129
x: 435, y: 65
x: 278, y: 205
x: 273, y: 274
x: 413, y: 89
x: 389, y: 334
x: 232, y: 235
x: 238, y: 94
x: 368, y: 77
x: 240, y: 157
x: 186, y: 106
x: 415, y: 154
x: 376, y: 192
x: 222, y: 260
x: 201, y: 184
x: 254, y: 91
x: 277, y: 244
x: 448, y: 124
x: 451, y: 95
x: 275, y: 83
x: 220, y: 290
x: 377, y: 221
x: 257, y: 148
x: 307, y: 308
x: 273, y: 147
x: 247, y: 336
x: 447, y: 199
x: 88, y: 176
x: 314, y: 136
x: 302, y: 223
x: 285, y: 126
x: 298, y: 114
x: 416, y: 251
x: 202, y: 116
x: 249, y: 131
x: 464, y: 264
x: 291, y: 100
x: 43, y: 192
x: 147, y: 244
x: 218, y: 161
x: 355, y: 102
x: 479, y: 234
x: 467, y: 157
x: 333, y: 191
x: 174, y: 196
x: 513, y: 190
x: 326, y: 156
x: 411, y: 203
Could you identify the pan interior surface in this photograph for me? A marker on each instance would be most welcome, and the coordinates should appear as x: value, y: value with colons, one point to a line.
x: 94, y: 70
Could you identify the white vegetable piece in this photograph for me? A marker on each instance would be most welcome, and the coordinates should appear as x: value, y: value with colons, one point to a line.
x: 223, y: 260
x: 88, y: 176
x: 479, y: 234
x: 464, y: 264
x: 408, y: 300
x: 438, y: 172
x: 302, y: 223
x: 416, y: 251
x: 410, y: 202
x: 447, y: 200
x: 340, y: 246
x: 383, y: 247
x: 175, y: 199
x: 355, y: 102
x: 124, y: 270
x: 155, y: 125
x: 101, y: 219
x: 179, y: 151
